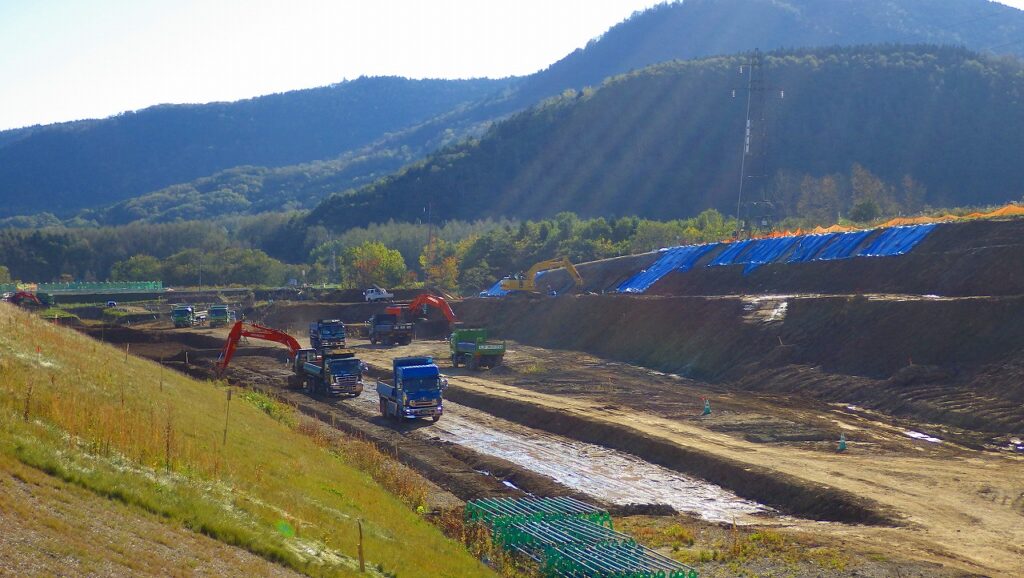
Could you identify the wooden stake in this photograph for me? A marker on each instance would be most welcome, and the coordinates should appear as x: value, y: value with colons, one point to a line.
x: 362, y: 563
x: 126, y: 347
x: 161, y: 374
x: 227, y: 413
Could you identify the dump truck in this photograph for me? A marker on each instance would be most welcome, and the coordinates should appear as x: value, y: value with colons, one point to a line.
x: 386, y: 328
x: 221, y: 316
x: 470, y: 347
x: 326, y: 333
x: 416, y: 389
x: 330, y: 371
x: 187, y: 316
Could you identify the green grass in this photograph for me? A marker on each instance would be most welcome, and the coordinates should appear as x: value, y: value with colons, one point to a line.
x: 75, y: 409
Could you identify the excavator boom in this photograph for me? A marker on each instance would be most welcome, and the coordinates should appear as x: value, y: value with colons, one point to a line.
x: 529, y: 280
x: 241, y: 329
x: 425, y: 300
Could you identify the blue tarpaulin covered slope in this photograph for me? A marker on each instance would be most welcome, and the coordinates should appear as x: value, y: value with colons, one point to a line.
x: 676, y: 258
x: 731, y: 253
x: 495, y: 291
x: 809, y: 246
x: 766, y: 251
x: 897, y: 241
x: 844, y: 246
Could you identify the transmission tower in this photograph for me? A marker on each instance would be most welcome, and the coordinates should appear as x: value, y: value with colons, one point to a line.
x: 754, y: 209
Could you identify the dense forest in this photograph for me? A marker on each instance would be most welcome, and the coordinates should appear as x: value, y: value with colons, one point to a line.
x: 665, y: 141
x: 225, y: 159
x: 456, y: 256
x: 88, y: 164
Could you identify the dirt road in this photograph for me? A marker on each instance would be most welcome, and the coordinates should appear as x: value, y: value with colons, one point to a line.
x: 956, y: 506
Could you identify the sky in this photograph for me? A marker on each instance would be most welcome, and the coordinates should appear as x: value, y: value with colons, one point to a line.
x: 73, y: 59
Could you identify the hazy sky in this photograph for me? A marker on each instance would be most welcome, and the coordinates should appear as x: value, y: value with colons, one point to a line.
x: 73, y: 59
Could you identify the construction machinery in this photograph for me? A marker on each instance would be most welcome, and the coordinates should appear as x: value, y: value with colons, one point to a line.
x: 388, y: 329
x: 335, y: 372
x: 470, y: 347
x: 221, y: 316
x: 528, y: 281
x: 326, y: 333
x: 416, y: 389
x: 417, y: 308
x: 187, y: 316
x: 329, y: 371
x: 24, y: 299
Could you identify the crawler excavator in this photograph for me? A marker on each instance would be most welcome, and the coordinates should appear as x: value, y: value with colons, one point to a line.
x: 528, y: 281
x: 416, y: 312
x: 331, y: 371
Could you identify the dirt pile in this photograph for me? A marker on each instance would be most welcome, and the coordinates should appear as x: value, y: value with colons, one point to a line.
x: 849, y: 349
x: 956, y: 259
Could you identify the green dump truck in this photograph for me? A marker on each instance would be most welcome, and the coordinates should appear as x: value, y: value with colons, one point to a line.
x: 187, y: 316
x: 221, y: 315
x: 470, y: 347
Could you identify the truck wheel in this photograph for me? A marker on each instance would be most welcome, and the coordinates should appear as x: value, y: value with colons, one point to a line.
x: 373, y: 341
x: 383, y: 408
x: 474, y: 363
x: 435, y: 418
x: 455, y: 361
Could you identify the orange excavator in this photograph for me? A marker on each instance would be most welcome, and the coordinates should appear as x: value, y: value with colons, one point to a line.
x: 25, y: 299
x: 242, y: 329
x: 418, y: 307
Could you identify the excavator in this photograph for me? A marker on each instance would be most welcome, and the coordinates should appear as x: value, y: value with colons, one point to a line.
x: 330, y: 371
x: 25, y: 299
x: 242, y: 329
x: 528, y: 281
x: 419, y: 306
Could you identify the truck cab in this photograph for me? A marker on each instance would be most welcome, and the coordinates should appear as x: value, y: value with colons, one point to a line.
x: 183, y: 316
x: 221, y: 315
x: 388, y: 329
x: 332, y: 371
x: 416, y: 389
x: 326, y: 333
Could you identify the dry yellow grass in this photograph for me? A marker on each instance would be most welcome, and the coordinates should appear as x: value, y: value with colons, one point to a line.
x: 88, y: 414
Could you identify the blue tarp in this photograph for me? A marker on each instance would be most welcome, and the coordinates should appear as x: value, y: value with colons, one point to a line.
x: 844, y: 246
x: 728, y: 257
x: 674, y: 259
x: 809, y: 246
x: 495, y: 291
x: 766, y: 251
x: 897, y: 241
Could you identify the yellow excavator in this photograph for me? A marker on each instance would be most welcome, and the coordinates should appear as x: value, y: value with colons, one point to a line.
x: 528, y: 281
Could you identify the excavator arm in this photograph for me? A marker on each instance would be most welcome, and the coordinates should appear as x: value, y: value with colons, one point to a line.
x: 241, y: 329
x: 425, y: 300
x: 528, y: 282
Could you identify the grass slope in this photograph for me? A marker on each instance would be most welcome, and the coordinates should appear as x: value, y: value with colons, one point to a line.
x: 122, y: 428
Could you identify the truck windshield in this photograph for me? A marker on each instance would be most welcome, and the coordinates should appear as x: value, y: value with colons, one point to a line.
x: 343, y: 366
x: 332, y: 331
x: 421, y: 384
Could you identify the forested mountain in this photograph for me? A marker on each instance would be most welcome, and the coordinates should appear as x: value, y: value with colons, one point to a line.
x: 944, y: 125
x: 700, y: 28
x: 290, y: 150
x: 92, y: 163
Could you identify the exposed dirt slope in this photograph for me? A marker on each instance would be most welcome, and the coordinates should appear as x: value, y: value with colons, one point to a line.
x: 968, y: 258
x: 877, y: 351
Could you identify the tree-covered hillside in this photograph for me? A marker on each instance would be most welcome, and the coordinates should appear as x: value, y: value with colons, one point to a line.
x: 700, y: 28
x: 93, y: 163
x: 666, y: 141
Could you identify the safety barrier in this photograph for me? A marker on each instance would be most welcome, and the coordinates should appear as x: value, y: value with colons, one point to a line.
x: 674, y: 259
x: 86, y: 287
x: 501, y: 511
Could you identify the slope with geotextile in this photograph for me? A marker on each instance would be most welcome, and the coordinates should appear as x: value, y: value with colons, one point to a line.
x: 122, y: 428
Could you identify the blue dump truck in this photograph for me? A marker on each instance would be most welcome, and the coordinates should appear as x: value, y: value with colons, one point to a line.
x: 329, y: 371
x: 326, y: 333
x: 415, y: 389
x: 388, y: 329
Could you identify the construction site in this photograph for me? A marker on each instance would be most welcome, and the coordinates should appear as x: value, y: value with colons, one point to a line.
x: 859, y: 392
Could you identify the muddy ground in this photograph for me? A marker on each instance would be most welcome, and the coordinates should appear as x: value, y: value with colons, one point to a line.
x: 917, y: 507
